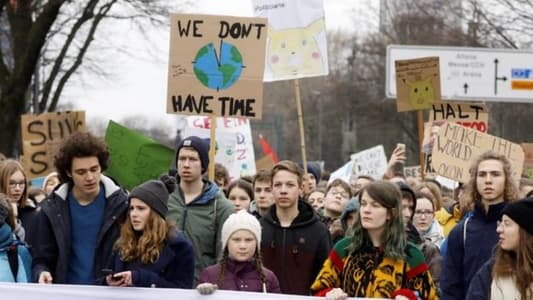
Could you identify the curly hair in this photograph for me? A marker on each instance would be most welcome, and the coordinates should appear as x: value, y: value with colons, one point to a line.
x: 510, y: 191
x: 8, y: 167
x: 389, y: 196
x: 148, y: 246
x: 518, y: 264
x: 80, y: 144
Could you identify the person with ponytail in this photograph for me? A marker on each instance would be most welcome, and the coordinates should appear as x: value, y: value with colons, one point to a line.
x: 240, y: 268
x: 150, y: 252
x: 509, y: 274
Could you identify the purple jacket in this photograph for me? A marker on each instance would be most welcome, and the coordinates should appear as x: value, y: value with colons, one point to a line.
x: 241, y: 276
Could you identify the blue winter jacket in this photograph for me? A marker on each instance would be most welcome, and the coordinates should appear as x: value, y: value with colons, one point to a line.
x: 24, y: 258
x: 464, y: 259
x: 480, y: 285
x: 173, y: 269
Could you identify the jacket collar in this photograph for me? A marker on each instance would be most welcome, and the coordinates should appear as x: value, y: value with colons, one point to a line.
x: 109, y: 187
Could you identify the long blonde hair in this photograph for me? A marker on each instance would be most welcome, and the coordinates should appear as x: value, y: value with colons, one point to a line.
x: 147, y: 245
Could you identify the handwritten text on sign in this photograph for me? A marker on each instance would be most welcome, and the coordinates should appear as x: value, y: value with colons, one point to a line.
x: 457, y: 147
x: 41, y: 136
x: 213, y: 67
x: 472, y: 115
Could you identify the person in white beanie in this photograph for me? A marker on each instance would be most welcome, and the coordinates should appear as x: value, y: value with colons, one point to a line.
x: 240, y: 268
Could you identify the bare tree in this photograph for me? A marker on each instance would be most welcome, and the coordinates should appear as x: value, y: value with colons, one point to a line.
x: 58, y: 35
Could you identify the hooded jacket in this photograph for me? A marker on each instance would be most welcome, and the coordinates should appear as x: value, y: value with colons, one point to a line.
x: 7, y: 240
x: 466, y: 253
x: 51, y: 251
x: 201, y: 221
x: 295, y: 253
x: 173, y: 269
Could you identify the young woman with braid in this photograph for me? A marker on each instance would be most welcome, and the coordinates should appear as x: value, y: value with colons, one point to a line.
x: 241, y: 268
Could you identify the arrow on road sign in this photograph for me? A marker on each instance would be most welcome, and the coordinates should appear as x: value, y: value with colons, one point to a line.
x: 465, y: 86
x: 496, y: 78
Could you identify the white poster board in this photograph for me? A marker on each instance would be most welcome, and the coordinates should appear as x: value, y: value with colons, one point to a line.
x: 370, y: 162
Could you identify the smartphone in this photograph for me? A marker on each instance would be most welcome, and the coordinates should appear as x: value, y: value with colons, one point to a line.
x: 397, y: 168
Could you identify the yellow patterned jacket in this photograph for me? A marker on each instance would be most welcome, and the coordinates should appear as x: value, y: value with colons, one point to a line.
x: 368, y: 273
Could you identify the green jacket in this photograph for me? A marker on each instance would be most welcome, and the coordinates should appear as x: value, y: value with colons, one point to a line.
x: 201, y: 221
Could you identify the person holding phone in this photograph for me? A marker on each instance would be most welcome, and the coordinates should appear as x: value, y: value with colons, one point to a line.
x: 150, y: 252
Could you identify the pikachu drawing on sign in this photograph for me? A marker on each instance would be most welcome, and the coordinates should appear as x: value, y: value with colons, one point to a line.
x: 421, y: 93
x: 295, y: 51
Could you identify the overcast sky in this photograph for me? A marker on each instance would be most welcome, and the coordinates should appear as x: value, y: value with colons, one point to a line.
x: 138, y: 86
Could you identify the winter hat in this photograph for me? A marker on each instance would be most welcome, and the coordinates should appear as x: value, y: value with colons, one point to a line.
x: 155, y: 193
x: 313, y: 169
x: 241, y: 220
x: 201, y: 146
x: 521, y: 211
x: 353, y: 205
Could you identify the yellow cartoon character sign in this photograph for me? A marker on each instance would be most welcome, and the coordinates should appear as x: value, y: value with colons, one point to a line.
x: 295, y: 51
x: 417, y: 83
x: 296, y: 39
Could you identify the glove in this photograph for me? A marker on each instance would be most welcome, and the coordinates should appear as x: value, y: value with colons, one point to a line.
x: 206, y: 288
x: 336, y: 294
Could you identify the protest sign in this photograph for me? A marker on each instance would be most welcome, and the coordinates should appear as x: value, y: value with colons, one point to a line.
x: 235, y: 148
x: 214, y: 66
x: 42, y: 135
x: 297, y: 45
x: 370, y: 162
x: 528, y: 160
x: 265, y: 162
x: 456, y: 147
x: 471, y: 115
x: 412, y: 171
x: 135, y: 158
x: 344, y: 173
x: 417, y: 83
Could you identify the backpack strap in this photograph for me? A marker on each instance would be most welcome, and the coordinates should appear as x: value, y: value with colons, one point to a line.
x: 13, y: 258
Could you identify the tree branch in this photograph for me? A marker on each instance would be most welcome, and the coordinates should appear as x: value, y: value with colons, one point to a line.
x: 87, y: 14
x: 79, y: 58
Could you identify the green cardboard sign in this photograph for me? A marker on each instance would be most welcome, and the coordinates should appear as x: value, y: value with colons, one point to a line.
x: 135, y: 158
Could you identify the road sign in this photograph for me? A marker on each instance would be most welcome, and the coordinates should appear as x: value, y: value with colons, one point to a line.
x: 478, y: 74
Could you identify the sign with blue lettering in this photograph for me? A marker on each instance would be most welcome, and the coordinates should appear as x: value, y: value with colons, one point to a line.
x: 472, y: 74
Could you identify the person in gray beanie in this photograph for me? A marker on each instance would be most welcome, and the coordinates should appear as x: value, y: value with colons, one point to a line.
x: 150, y: 252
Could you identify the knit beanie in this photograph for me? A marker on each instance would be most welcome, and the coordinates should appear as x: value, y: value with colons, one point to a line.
x: 155, y: 193
x: 314, y: 169
x: 521, y: 212
x: 200, y: 145
x: 406, y: 189
x: 241, y: 220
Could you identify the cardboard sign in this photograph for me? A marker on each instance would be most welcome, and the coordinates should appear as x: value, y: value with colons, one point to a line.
x: 43, y: 134
x: 135, y: 158
x: 472, y: 115
x: 456, y: 147
x: 412, y: 171
x: 235, y: 148
x: 216, y: 65
x: 297, y: 45
x: 417, y: 83
x: 266, y: 162
x: 371, y: 162
x: 528, y: 160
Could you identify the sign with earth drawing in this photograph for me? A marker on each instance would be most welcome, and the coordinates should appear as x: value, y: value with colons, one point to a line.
x: 216, y: 65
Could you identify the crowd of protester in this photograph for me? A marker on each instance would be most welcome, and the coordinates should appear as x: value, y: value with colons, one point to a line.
x: 280, y: 231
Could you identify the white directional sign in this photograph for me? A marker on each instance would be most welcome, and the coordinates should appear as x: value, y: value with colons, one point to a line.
x: 482, y: 74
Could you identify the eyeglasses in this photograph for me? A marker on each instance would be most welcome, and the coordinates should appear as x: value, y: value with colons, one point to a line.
x: 335, y: 193
x: 425, y: 212
x: 13, y: 184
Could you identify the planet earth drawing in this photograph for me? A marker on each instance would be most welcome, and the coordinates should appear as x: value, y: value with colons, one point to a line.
x: 218, y: 69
